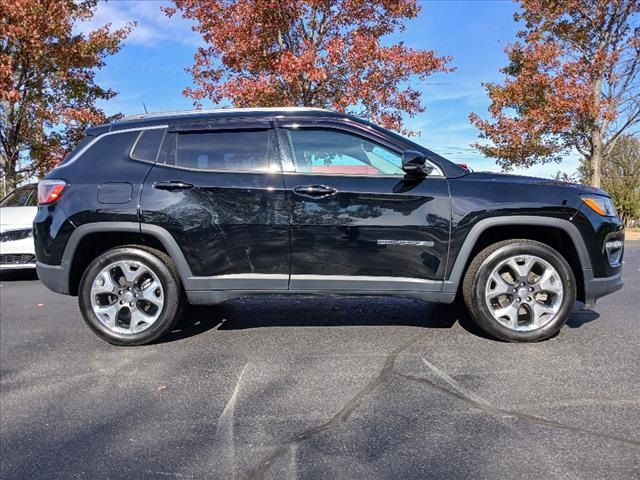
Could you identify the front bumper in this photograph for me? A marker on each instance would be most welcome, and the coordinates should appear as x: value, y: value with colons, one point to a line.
x: 15, y: 266
x: 595, y: 288
x: 54, y: 277
x: 16, y: 254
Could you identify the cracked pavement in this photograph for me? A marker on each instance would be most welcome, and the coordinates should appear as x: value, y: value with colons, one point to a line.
x: 309, y: 388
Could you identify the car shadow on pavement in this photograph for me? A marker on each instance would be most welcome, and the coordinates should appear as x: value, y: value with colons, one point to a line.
x: 18, y: 275
x: 581, y: 316
x: 313, y: 312
x: 283, y: 311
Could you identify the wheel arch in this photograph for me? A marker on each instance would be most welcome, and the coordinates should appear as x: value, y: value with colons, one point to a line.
x: 91, y: 239
x: 560, y: 234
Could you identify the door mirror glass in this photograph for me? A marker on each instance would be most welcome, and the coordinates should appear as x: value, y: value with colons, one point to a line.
x: 415, y: 163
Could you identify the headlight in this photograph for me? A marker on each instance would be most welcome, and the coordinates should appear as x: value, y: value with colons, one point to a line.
x: 599, y: 204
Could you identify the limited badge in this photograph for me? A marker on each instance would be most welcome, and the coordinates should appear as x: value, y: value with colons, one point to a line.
x: 406, y: 243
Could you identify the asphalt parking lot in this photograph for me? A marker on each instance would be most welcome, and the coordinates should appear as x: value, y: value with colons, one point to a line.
x: 318, y: 388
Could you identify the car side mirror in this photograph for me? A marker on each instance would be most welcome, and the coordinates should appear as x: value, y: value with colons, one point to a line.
x: 415, y: 163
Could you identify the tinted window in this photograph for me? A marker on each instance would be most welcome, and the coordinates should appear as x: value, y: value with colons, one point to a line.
x: 147, y: 145
x: 32, y: 201
x: 238, y: 150
x: 108, y: 150
x: 83, y: 143
x: 19, y: 198
x: 341, y: 153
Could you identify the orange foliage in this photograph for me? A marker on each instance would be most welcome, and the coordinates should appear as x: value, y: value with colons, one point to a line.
x: 569, y: 83
x: 47, y: 87
x: 320, y: 53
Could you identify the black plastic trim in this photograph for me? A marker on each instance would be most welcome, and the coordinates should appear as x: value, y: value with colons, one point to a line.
x: 461, y: 261
x: 215, y: 297
x: 595, y: 288
x: 54, y: 277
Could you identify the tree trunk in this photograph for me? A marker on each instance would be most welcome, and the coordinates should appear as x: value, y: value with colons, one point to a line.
x: 10, y: 166
x: 596, y: 137
x: 596, y: 159
x: 10, y: 148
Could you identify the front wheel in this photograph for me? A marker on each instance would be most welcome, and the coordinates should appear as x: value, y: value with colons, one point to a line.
x: 519, y: 290
x: 130, y: 295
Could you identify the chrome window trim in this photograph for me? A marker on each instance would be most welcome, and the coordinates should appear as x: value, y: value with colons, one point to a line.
x: 100, y: 137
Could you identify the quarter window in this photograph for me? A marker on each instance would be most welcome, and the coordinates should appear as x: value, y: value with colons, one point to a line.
x: 83, y: 143
x: 336, y: 152
x: 148, y: 144
x: 234, y: 150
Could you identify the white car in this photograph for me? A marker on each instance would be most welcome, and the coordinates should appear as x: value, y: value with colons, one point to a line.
x: 17, y: 211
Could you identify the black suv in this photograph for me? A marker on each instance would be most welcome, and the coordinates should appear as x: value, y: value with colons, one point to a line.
x: 204, y: 206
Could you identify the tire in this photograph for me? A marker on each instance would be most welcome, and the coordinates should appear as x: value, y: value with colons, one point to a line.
x: 543, y: 298
x: 133, y: 310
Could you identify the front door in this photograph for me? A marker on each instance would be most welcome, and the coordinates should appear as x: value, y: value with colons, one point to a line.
x: 358, y: 222
x: 218, y: 189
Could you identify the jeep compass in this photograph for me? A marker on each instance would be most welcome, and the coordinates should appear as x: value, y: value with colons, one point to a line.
x: 156, y: 210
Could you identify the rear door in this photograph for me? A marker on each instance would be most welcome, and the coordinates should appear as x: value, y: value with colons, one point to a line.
x: 218, y: 189
x: 357, y: 221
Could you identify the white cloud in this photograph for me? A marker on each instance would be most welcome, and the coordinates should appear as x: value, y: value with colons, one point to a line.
x: 153, y: 26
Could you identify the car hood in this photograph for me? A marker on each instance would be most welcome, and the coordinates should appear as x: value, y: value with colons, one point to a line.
x: 14, y: 218
x: 522, y: 179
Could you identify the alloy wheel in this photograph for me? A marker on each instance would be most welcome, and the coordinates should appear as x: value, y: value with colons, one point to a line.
x: 524, y: 293
x: 127, y: 297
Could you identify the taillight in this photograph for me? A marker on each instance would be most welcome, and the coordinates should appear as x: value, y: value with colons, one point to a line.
x: 50, y: 191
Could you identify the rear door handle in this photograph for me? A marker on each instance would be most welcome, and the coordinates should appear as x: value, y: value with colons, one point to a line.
x: 172, y: 185
x: 315, y: 191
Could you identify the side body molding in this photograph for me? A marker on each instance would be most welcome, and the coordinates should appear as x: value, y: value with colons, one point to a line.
x: 451, y: 284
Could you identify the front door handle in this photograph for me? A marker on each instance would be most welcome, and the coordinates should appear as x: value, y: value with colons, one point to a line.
x: 172, y: 185
x: 315, y: 191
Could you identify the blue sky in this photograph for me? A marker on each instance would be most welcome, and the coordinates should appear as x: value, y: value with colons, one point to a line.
x: 150, y: 68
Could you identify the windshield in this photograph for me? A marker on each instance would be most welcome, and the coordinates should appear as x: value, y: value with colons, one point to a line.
x: 22, y: 197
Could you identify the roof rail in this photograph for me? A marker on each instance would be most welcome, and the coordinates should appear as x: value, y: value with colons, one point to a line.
x: 143, y: 116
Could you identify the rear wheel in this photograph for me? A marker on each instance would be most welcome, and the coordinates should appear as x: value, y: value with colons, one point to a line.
x: 519, y: 290
x: 130, y: 295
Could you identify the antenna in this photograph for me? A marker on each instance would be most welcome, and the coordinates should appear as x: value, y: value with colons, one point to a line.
x: 145, y: 108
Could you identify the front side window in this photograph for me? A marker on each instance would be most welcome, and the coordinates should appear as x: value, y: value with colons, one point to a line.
x: 335, y: 152
x: 233, y: 150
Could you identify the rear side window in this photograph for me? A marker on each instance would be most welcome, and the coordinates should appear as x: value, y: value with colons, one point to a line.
x: 147, y: 145
x: 233, y: 150
x: 109, y: 148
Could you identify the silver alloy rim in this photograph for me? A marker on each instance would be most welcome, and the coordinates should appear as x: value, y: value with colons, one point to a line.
x: 127, y: 297
x: 524, y: 293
